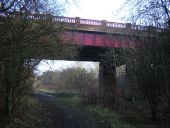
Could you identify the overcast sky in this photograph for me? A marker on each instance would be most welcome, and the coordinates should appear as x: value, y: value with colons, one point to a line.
x: 95, y: 9
x: 46, y: 65
x: 89, y: 9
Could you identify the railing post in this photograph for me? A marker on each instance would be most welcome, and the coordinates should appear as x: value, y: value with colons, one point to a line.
x: 128, y: 26
x: 151, y: 29
x: 49, y: 17
x: 104, y: 23
x: 77, y: 20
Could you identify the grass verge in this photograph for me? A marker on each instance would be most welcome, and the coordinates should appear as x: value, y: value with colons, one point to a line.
x: 107, y: 116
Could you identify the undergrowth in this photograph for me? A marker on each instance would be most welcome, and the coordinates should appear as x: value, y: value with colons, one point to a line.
x: 26, y: 115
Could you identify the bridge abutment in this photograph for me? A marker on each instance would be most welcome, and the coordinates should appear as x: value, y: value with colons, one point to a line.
x: 107, y: 83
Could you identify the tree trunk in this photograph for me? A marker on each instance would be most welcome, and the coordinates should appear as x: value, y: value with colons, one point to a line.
x: 168, y: 96
x: 8, y: 89
x: 8, y: 101
x: 153, y: 103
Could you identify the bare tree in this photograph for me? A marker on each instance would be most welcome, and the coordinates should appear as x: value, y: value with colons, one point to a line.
x: 148, y: 12
x: 153, y: 58
x: 24, y: 42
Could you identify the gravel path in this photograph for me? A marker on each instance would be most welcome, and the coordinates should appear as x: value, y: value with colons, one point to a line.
x: 59, y: 115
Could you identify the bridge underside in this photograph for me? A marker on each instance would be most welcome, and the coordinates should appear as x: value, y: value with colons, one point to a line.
x: 91, y: 53
x: 97, y: 54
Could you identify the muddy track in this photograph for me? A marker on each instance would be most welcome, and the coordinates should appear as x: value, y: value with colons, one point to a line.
x: 58, y: 115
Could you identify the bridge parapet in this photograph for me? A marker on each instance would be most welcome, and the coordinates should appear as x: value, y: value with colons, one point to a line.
x: 64, y: 19
x: 103, y: 26
x: 88, y: 32
x: 90, y: 22
x: 91, y: 25
x: 115, y: 25
x: 100, y: 23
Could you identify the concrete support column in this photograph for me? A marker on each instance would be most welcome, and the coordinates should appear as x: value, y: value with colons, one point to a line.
x: 107, y: 83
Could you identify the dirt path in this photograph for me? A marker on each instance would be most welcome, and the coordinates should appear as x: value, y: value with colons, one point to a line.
x: 59, y: 115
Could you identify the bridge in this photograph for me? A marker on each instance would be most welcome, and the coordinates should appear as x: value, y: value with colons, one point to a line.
x: 95, y: 38
x: 102, y: 33
x: 99, y: 33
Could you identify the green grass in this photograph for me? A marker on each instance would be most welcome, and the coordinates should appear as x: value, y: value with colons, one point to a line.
x: 102, y: 114
x: 107, y: 116
x: 67, y: 100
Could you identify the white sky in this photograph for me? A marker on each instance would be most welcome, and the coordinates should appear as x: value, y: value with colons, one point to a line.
x: 53, y: 65
x: 88, y: 9
x: 95, y: 9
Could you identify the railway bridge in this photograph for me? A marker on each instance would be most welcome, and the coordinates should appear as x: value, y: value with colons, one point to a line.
x: 94, y: 38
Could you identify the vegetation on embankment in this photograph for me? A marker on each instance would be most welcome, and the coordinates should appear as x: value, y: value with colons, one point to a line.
x: 25, y: 116
x: 131, y: 107
x: 108, y: 116
x: 24, y: 43
x: 104, y: 115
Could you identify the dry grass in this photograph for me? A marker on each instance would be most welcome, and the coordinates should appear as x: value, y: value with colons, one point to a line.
x: 26, y: 115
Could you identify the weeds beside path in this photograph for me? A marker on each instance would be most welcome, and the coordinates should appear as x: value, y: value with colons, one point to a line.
x: 41, y: 110
x: 59, y: 110
x: 68, y: 117
x: 82, y: 116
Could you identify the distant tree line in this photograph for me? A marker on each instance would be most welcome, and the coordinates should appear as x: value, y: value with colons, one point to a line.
x: 73, y: 80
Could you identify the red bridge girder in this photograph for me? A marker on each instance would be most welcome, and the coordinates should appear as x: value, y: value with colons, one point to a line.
x: 101, y: 39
